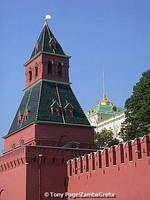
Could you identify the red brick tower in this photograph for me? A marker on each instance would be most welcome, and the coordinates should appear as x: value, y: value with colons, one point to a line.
x: 48, y: 129
x: 49, y: 113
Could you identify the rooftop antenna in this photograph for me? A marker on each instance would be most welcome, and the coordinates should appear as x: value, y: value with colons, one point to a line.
x: 47, y: 17
x: 104, y: 89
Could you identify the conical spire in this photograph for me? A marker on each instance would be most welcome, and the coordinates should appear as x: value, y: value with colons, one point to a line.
x: 47, y: 43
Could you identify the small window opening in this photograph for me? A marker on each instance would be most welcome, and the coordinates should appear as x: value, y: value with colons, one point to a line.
x: 56, y: 111
x: 30, y: 75
x: 53, y: 44
x: 36, y: 71
x: 59, y: 69
x: 114, y: 108
x: 13, y: 146
x: 69, y: 113
x: 20, y: 118
x: 21, y: 142
x: 49, y: 67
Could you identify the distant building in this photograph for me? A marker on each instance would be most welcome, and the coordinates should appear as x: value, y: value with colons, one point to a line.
x: 106, y: 116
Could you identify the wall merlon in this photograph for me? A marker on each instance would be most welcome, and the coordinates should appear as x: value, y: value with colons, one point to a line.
x: 124, y: 153
x: 14, y: 158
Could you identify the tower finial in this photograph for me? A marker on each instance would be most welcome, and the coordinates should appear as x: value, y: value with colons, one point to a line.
x: 47, y: 17
x: 105, y: 100
x: 104, y: 89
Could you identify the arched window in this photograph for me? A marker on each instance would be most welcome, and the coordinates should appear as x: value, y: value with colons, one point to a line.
x: 49, y: 67
x: 69, y: 110
x: 55, y: 108
x: 26, y: 117
x: 19, y: 120
x: 21, y: 142
x: 20, y: 117
x: 69, y: 113
x: 114, y: 108
x: 36, y: 71
x: 59, y: 69
x: 30, y: 75
x: 13, y: 146
x: 56, y: 111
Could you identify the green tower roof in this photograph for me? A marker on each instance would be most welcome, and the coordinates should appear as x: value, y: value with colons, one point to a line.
x: 40, y: 97
x: 47, y: 43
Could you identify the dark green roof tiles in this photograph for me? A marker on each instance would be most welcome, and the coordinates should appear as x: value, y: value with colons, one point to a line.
x: 47, y: 43
x: 30, y: 99
x: 38, y: 100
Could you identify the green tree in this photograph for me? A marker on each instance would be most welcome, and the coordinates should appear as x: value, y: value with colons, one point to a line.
x: 105, y: 139
x: 137, y: 122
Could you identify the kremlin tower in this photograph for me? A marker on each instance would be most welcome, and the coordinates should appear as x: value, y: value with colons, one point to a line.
x: 49, y: 127
x: 49, y: 113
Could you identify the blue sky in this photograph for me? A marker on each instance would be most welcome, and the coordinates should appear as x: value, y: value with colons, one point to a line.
x: 100, y: 35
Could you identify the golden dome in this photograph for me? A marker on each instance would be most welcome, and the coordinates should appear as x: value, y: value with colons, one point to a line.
x: 104, y: 101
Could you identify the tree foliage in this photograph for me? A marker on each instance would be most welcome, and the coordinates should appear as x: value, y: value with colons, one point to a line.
x: 105, y: 139
x: 137, y: 122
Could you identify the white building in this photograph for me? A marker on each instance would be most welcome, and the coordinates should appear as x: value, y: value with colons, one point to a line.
x: 106, y: 116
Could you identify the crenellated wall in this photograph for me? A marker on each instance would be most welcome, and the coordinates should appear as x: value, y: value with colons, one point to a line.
x: 13, y: 175
x: 28, y: 172
x: 123, y: 170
